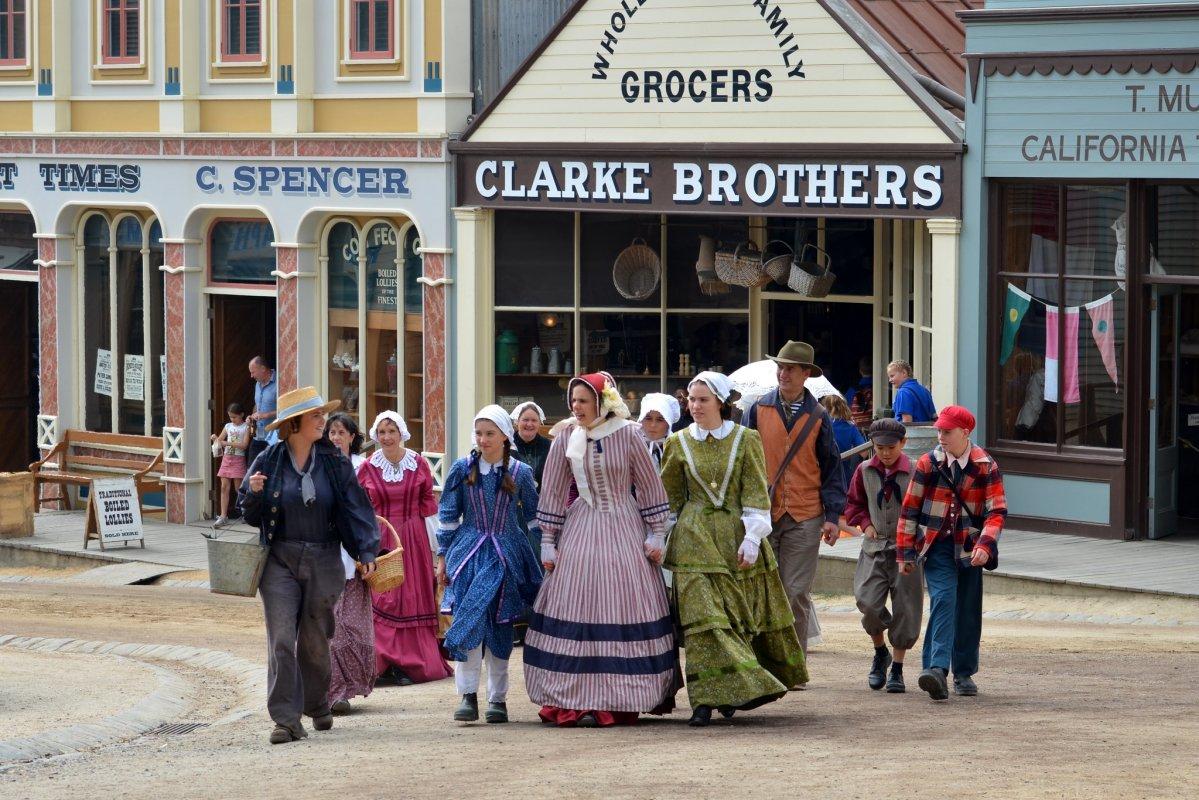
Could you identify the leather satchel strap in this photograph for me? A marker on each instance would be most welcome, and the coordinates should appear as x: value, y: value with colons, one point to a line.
x: 804, y: 433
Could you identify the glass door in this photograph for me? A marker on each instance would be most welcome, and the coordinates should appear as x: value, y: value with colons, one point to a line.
x: 1163, y: 411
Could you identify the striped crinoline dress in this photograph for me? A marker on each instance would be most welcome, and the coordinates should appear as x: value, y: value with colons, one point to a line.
x: 600, y: 637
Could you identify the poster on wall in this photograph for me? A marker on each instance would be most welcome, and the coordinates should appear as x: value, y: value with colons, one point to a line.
x: 133, y: 387
x: 102, y: 383
x: 162, y: 374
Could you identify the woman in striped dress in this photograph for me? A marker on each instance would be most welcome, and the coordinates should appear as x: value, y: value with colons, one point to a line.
x: 600, y: 648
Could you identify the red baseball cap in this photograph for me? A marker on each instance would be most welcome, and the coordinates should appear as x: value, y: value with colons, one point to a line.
x: 954, y: 417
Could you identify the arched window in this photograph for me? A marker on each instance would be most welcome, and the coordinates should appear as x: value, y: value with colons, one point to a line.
x: 123, y: 322
x: 375, y: 334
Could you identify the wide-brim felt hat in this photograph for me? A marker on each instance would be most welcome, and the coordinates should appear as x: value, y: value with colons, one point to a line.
x: 801, y: 353
x: 298, y: 402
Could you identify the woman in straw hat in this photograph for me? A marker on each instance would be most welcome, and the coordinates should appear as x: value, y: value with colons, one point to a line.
x: 600, y: 647
x: 738, y: 631
x: 399, y: 483
x: 302, y: 495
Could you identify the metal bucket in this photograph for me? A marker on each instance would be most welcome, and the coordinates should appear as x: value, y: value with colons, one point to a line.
x: 921, y: 439
x: 235, y: 567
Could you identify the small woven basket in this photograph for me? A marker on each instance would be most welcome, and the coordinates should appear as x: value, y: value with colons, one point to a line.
x: 741, y: 266
x: 389, y: 567
x: 777, y: 266
x: 809, y: 278
x: 636, y: 271
x: 705, y: 269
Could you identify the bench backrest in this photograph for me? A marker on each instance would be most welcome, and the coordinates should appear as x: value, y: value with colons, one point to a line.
x: 104, y: 452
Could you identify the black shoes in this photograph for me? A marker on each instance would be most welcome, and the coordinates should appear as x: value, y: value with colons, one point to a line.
x: 878, y: 668
x: 965, y: 687
x: 323, y: 722
x: 468, y: 709
x: 727, y: 711
x: 932, y: 680
x: 588, y: 720
x: 700, y: 717
x: 496, y: 713
x: 341, y: 707
x: 895, y: 684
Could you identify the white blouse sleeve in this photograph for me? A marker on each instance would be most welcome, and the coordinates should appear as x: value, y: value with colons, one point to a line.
x: 757, y: 524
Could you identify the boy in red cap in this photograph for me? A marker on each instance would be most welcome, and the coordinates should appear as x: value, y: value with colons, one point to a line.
x: 952, y: 516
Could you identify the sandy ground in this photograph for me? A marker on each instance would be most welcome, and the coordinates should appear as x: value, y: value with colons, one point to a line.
x: 1066, y: 711
x: 84, y: 689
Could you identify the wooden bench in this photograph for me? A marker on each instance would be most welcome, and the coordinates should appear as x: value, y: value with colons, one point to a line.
x: 83, y: 456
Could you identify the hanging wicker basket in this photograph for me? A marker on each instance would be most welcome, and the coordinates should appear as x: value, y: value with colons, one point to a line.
x: 741, y: 266
x: 636, y: 271
x: 810, y: 277
x: 705, y: 269
x: 777, y: 266
x: 389, y: 567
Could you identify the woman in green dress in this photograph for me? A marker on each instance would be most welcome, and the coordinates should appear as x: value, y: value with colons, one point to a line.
x: 737, y: 625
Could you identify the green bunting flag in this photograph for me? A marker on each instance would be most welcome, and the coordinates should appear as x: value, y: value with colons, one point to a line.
x: 1013, y: 314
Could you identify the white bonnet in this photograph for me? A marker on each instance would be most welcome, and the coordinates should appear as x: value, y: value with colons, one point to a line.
x: 522, y: 407
x: 499, y: 416
x: 664, y: 404
x: 394, y: 417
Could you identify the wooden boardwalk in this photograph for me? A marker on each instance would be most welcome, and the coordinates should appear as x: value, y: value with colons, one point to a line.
x: 1162, y: 567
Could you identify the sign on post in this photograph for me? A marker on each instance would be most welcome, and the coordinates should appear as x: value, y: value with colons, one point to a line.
x: 114, y: 513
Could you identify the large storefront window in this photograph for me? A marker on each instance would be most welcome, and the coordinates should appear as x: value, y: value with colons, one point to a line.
x: 18, y: 248
x: 124, y: 368
x: 1057, y: 347
x: 559, y: 310
x: 375, y: 331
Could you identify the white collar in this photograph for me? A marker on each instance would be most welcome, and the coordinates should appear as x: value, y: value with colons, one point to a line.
x: 485, y: 466
x: 962, y: 460
x: 700, y: 434
x: 394, y: 473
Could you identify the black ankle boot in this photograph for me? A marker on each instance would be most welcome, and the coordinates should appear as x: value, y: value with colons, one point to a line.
x: 468, y: 709
x: 700, y: 717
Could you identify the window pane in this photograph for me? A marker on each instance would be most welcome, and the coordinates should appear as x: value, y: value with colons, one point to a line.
x: 382, y: 26
x: 534, y: 258
x: 711, y: 341
x: 627, y: 346
x: 515, y: 379
x: 18, y: 248
x: 253, y: 29
x: 362, y: 25
x: 18, y: 32
x: 342, y: 251
x: 414, y: 267
x: 98, y: 370
x: 1093, y: 215
x: 241, y: 252
x: 233, y: 33
x: 381, y: 267
x: 1095, y: 409
x: 114, y: 34
x: 414, y: 340
x: 604, y: 237
x: 850, y: 247
x: 1030, y: 230
x: 344, y: 354
x: 129, y: 360
x: 682, y: 253
x: 155, y: 362
x: 1173, y: 228
x: 131, y: 32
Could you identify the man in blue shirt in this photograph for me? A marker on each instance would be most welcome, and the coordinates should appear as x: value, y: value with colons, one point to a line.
x: 266, y: 399
x: 913, y: 403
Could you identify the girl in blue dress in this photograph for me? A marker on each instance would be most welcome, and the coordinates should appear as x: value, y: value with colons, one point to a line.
x: 484, y: 561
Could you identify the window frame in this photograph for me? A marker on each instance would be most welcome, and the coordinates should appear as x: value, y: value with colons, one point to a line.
x: 8, y: 17
x: 242, y: 59
x: 358, y: 55
x: 106, y: 59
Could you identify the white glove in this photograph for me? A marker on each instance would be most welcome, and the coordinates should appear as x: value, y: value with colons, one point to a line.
x: 655, y: 547
x: 748, y: 552
x: 549, y: 553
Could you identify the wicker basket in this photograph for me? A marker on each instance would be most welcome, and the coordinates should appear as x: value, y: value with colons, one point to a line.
x: 636, y: 271
x: 808, y: 277
x: 705, y: 269
x: 778, y: 266
x: 16, y: 504
x: 741, y: 266
x: 389, y: 567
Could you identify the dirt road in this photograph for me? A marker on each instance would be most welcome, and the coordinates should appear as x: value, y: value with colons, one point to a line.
x: 1066, y: 711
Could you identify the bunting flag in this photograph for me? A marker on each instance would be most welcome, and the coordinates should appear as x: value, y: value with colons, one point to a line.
x: 1013, y: 316
x: 1053, y: 352
x: 1100, y: 312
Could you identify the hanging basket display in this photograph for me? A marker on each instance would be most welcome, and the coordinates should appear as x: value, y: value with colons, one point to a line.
x: 777, y: 263
x: 741, y: 266
x: 705, y: 269
x: 811, y: 277
x: 636, y: 271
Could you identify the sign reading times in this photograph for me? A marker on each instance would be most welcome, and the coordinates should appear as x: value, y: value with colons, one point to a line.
x: 901, y: 187
x: 114, y: 514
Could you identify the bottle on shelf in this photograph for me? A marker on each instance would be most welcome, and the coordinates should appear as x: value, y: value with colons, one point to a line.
x: 392, y: 379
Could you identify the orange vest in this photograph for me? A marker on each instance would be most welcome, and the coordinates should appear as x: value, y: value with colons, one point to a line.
x: 798, y: 491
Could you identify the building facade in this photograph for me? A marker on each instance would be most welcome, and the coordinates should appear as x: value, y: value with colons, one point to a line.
x: 1079, y: 341
x: 185, y: 185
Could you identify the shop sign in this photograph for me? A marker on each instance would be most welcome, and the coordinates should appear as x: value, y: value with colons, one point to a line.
x: 8, y: 174
x: 90, y: 177
x: 899, y: 187
x: 114, y: 514
x: 304, y: 180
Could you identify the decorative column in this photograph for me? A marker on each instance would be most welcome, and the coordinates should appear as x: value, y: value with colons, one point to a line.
x: 433, y: 405
x: 185, y: 452
x: 946, y: 260
x: 470, y: 316
x: 287, y: 332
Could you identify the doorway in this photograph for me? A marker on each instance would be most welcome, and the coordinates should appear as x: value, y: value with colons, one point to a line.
x: 1173, y: 411
x: 242, y: 328
x: 18, y: 374
x: 841, y: 333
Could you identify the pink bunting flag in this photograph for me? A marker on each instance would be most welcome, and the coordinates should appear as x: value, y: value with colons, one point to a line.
x: 1052, y: 354
x: 1103, y: 332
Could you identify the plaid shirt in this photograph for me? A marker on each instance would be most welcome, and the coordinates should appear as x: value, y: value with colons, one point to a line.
x: 930, y: 501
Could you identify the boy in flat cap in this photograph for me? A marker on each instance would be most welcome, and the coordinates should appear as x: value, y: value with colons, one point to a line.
x: 952, y: 516
x: 876, y: 493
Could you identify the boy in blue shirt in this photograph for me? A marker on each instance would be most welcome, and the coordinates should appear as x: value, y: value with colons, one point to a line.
x: 913, y: 402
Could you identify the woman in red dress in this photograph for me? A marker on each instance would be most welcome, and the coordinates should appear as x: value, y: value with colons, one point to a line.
x: 400, y: 486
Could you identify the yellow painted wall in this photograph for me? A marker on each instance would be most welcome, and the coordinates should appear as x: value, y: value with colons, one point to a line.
x: 364, y: 116
x: 235, y: 116
x: 114, y: 116
x: 45, y: 33
x: 286, y: 43
x: 16, y: 115
x: 433, y: 30
x: 171, y: 28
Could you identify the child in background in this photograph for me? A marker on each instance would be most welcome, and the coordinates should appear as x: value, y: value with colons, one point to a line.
x: 233, y: 439
x: 875, y: 499
x: 844, y: 431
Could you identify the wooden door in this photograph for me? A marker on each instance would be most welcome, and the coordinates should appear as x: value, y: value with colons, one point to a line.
x: 18, y: 374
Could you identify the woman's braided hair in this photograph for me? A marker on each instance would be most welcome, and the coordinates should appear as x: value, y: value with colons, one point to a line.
x: 508, y: 484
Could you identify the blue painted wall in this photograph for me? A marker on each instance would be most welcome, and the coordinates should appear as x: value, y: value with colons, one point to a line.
x: 1055, y: 498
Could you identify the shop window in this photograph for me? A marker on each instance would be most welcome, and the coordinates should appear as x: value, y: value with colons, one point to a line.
x: 603, y: 238
x: 241, y: 30
x: 534, y: 258
x: 13, y: 27
x: 18, y: 248
x: 372, y: 29
x: 242, y: 251
x: 123, y: 326
x: 1173, y: 227
x: 719, y: 342
x: 120, y: 32
x: 534, y: 358
x: 375, y: 345
x: 627, y: 346
x: 682, y: 252
x: 1057, y: 346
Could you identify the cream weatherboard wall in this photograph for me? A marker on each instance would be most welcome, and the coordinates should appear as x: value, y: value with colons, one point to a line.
x: 840, y: 94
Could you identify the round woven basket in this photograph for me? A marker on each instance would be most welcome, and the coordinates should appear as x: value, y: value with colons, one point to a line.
x: 777, y: 266
x: 389, y: 567
x: 741, y: 266
x: 636, y: 271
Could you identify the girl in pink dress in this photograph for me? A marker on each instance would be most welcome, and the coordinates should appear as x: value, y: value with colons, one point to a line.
x: 400, y: 486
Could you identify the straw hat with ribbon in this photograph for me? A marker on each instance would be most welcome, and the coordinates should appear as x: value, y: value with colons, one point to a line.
x: 801, y: 353
x: 297, y: 403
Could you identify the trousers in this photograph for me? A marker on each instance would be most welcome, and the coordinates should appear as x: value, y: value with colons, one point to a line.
x: 876, y: 581
x: 468, y: 673
x: 955, y: 615
x: 300, y: 586
x: 797, y: 547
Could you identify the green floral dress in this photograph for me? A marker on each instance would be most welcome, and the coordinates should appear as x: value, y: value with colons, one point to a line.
x: 737, y: 625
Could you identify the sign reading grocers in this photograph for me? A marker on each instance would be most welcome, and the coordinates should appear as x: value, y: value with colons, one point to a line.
x: 114, y: 513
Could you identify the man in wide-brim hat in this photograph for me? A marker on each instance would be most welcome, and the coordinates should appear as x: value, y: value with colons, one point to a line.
x: 803, y: 464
